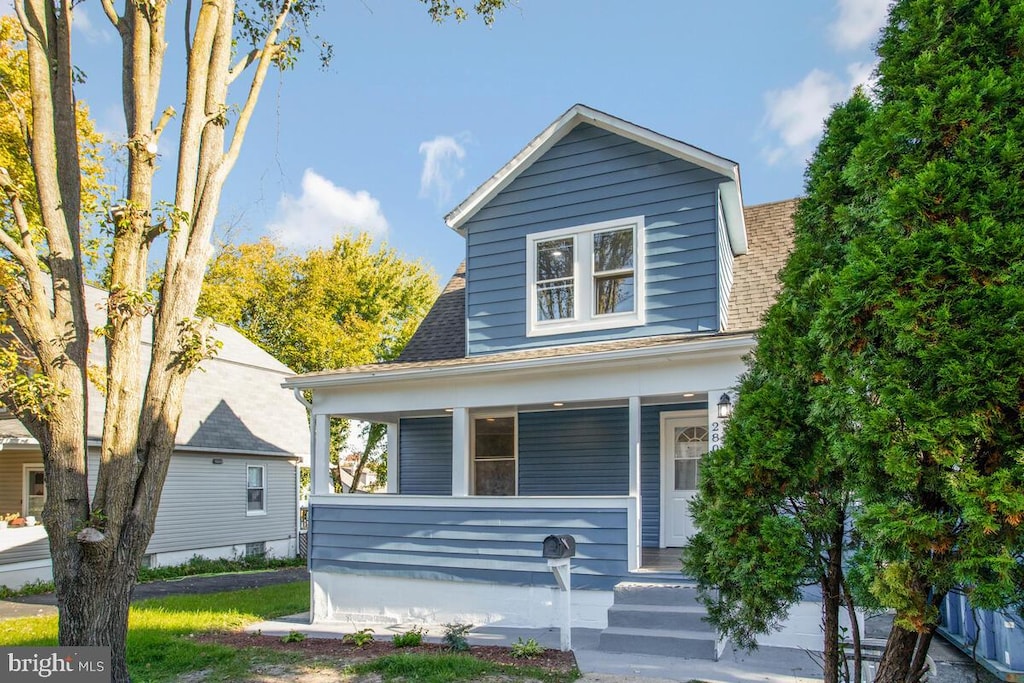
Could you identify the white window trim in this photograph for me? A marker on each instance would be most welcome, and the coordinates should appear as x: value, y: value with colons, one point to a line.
x: 25, y: 469
x: 583, y: 280
x: 472, y: 448
x: 255, y: 513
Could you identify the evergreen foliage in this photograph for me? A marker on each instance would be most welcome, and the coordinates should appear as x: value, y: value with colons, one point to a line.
x: 773, y: 500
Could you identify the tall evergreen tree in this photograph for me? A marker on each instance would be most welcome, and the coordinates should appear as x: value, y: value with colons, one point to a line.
x: 773, y: 502
x: 924, y: 328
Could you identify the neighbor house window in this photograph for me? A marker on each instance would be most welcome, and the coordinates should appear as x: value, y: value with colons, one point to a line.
x: 585, y: 278
x: 256, y: 490
x: 494, y: 456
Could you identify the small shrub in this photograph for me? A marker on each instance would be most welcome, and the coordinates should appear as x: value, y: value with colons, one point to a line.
x: 360, y: 638
x: 34, y: 588
x: 293, y: 637
x: 529, y: 648
x: 411, y: 638
x: 455, y: 636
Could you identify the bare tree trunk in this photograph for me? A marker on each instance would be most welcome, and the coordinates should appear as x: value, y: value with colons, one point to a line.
x: 895, y: 664
x: 851, y: 610
x: 831, y: 601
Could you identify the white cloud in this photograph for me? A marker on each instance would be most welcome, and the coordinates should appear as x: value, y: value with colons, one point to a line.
x: 322, y: 211
x: 442, y: 166
x: 858, y: 22
x: 83, y: 24
x: 796, y: 115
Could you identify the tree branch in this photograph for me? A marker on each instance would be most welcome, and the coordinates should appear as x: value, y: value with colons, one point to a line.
x: 111, y: 12
x: 243, y: 64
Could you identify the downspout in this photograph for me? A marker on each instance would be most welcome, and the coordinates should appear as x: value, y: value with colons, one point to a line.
x: 297, y: 393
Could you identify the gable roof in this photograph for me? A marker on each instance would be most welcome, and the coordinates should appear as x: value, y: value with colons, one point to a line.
x: 233, y: 401
x: 442, y: 334
x: 732, y: 200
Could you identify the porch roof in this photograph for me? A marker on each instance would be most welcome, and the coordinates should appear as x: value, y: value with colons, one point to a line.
x: 595, y: 352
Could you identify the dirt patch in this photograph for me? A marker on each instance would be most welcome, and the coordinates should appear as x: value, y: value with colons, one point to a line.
x: 333, y: 654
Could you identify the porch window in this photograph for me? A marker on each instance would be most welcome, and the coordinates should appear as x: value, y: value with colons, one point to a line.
x: 494, y: 456
x: 256, y: 488
x: 585, y: 278
x: 35, y: 491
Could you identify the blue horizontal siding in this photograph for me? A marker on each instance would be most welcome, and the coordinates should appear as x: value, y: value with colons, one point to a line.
x: 425, y: 456
x: 491, y: 545
x: 650, y: 469
x: 574, y: 452
x: 587, y: 177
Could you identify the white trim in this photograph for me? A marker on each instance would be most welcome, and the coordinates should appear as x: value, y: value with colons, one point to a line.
x: 25, y: 469
x: 698, y: 344
x: 732, y: 207
x: 585, y: 316
x: 320, y: 447
x: 394, y: 459
x: 375, y: 499
x: 580, y: 113
x: 461, y: 451
x: 263, y: 487
x: 484, y: 415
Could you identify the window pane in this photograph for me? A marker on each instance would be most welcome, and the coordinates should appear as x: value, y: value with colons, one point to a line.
x: 554, y: 301
x: 495, y: 438
x: 255, y: 499
x: 256, y: 477
x: 495, y: 478
x: 687, y: 474
x: 36, y: 485
x: 613, y: 250
x: 554, y: 259
x: 614, y: 294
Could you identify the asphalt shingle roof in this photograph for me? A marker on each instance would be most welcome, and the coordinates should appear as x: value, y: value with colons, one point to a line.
x: 442, y: 334
x: 755, y: 281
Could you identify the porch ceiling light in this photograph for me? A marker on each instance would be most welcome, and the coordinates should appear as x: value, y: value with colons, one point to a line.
x: 558, y: 404
x: 689, y: 395
x: 724, y: 406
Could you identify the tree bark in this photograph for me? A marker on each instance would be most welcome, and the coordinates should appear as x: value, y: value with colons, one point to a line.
x: 831, y: 602
x: 900, y: 648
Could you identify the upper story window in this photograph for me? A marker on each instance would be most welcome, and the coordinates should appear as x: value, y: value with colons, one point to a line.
x: 585, y: 278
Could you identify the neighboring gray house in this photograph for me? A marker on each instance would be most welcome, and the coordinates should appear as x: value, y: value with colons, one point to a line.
x: 567, y: 381
x: 232, y: 485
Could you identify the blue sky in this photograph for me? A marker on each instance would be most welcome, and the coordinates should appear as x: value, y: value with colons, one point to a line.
x: 411, y: 116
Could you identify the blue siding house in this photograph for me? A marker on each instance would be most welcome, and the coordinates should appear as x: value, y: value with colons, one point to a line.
x: 568, y: 381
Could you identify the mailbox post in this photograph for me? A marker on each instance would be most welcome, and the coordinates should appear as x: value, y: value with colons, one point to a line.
x: 558, y: 550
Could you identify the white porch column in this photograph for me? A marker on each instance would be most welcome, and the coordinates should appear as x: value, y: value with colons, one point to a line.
x: 320, y: 450
x: 634, y: 479
x: 460, y: 452
x: 392, y: 458
x: 634, y: 446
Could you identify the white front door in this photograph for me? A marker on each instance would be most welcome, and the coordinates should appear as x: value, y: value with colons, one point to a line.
x: 684, y: 441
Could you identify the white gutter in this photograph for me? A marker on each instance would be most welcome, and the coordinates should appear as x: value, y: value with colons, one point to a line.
x: 703, y: 346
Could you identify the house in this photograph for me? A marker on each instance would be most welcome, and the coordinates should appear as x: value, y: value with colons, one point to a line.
x: 568, y: 380
x: 231, y: 487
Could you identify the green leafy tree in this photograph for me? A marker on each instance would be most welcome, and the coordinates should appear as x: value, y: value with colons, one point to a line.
x: 97, y: 538
x: 347, y: 305
x: 923, y: 327
x: 773, y: 503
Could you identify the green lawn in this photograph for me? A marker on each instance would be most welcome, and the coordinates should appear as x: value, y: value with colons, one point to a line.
x: 158, y: 644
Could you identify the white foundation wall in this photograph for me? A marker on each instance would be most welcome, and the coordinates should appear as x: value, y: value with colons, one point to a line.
x: 802, y: 629
x: 358, y: 599
x: 280, y: 548
x: 19, y: 574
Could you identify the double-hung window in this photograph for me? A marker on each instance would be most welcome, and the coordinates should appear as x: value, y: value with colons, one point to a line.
x: 585, y: 278
x: 256, y: 490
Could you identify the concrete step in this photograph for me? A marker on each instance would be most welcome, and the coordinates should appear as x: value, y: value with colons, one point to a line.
x: 672, y: 594
x: 659, y: 617
x: 685, y: 644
